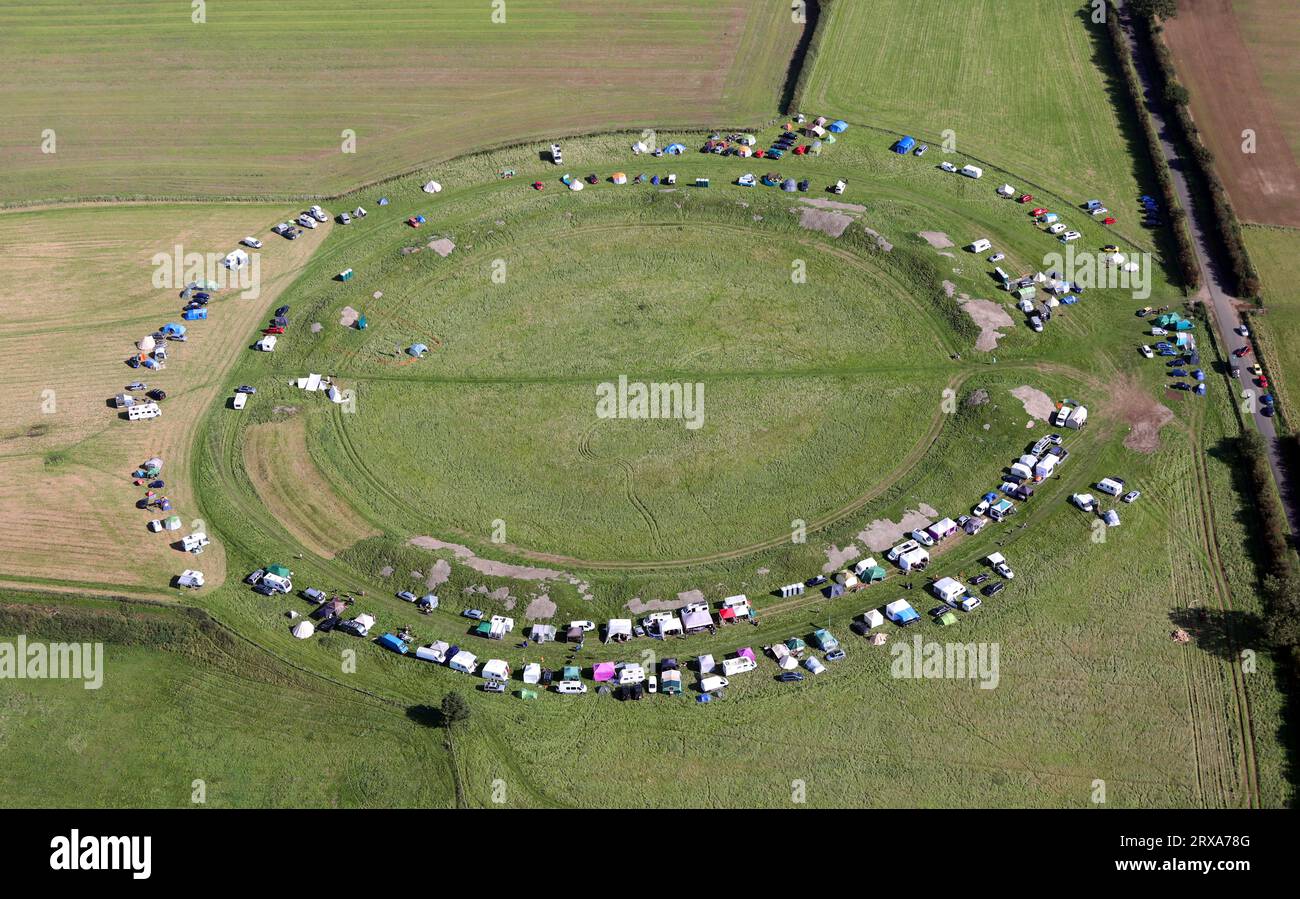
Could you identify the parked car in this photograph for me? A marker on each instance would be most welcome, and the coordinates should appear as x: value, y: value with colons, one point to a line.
x: 255, y: 576
x: 835, y: 655
x: 476, y: 614
x: 252, y: 242
x: 921, y: 536
x: 494, y: 686
x: 244, y: 388
x: 979, y: 579
x: 921, y: 149
x: 406, y: 595
x: 1147, y: 351
x: 995, y: 588
x: 1131, y: 496
x: 157, y: 395
x: 790, y: 676
x: 1242, y: 351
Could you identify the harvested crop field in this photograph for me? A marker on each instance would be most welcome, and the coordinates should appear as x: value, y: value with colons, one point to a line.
x: 1242, y: 79
x: 293, y: 490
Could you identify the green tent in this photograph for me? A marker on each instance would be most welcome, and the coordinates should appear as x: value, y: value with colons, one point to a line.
x: 278, y: 571
x: 873, y: 574
x: 947, y: 619
x: 484, y: 629
x: 1166, y: 320
x: 794, y: 644
x: 527, y: 694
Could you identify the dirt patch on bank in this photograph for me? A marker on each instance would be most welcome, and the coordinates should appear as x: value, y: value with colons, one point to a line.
x: 540, y: 608
x: 1038, y: 404
x: 827, y: 216
x: 882, y: 533
x: 992, y: 320
x: 1144, y: 414
x: 836, y: 557
x: 468, y: 557
x: 936, y: 239
x: 442, y: 246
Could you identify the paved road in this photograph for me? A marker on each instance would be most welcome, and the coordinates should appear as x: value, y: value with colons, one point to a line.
x: 1215, y: 272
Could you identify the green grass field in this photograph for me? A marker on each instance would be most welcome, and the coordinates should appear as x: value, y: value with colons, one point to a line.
x: 844, y: 402
x: 1273, y: 250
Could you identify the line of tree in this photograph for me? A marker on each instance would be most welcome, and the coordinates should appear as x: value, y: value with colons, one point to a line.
x: 1281, y: 574
x: 1188, y: 268
x: 1177, y: 97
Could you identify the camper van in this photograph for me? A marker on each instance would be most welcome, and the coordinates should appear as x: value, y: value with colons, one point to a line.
x: 738, y: 665
x: 980, y: 245
x: 143, y: 410
x: 712, y: 683
x: 240, y: 400
x: 972, y: 171
x: 570, y: 687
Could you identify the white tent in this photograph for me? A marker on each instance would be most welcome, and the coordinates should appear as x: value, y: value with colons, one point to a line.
x: 433, y: 187
x: 335, y: 395
x: 618, y: 628
x: 576, y: 184
x: 145, y: 344
x: 873, y: 618
x: 303, y: 629
x: 532, y: 673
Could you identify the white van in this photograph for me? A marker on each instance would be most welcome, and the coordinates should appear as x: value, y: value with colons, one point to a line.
x: 570, y: 686
x: 713, y: 682
x: 143, y: 410
x: 732, y: 667
x: 240, y: 400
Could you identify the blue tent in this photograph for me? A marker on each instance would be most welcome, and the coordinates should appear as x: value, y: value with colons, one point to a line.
x: 417, y: 350
x: 904, y: 145
x: 839, y: 126
x: 383, y: 201
x: 173, y: 329
x: 191, y: 315
x: 704, y: 697
x: 388, y: 641
x: 675, y: 149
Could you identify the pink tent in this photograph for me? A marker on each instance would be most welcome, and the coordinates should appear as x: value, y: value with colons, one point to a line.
x: 604, y: 671
x: 747, y: 653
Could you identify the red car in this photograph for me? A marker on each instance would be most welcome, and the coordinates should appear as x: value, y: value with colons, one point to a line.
x: 1108, y: 220
x: 1037, y: 212
x: 1244, y: 351
x: 1262, y: 381
x: 1026, y: 198
x: 274, y: 329
x: 537, y: 185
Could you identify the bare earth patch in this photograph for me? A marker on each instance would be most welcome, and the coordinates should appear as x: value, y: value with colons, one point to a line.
x: 443, y: 246
x: 540, y: 609
x: 836, y: 557
x: 882, y: 533
x: 438, y: 574
x: 991, y: 318
x: 488, y: 566
x: 1038, y: 404
x: 827, y: 216
x: 936, y: 239
x: 348, y: 317
x: 1145, y: 416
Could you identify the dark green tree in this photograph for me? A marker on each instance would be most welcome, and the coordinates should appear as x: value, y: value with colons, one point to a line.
x: 1165, y: 9
x: 454, y: 709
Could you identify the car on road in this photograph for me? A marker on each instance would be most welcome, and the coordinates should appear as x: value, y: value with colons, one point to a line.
x: 1262, y: 381
x: 1131, y: 496
x: 1242, y: 351
x: 995, y: 588
x: 1256, y: 369
x: 1242, y: 330
x: 1267, y: 411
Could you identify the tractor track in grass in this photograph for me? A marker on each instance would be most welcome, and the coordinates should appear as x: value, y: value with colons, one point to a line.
x: 1222, y: 598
